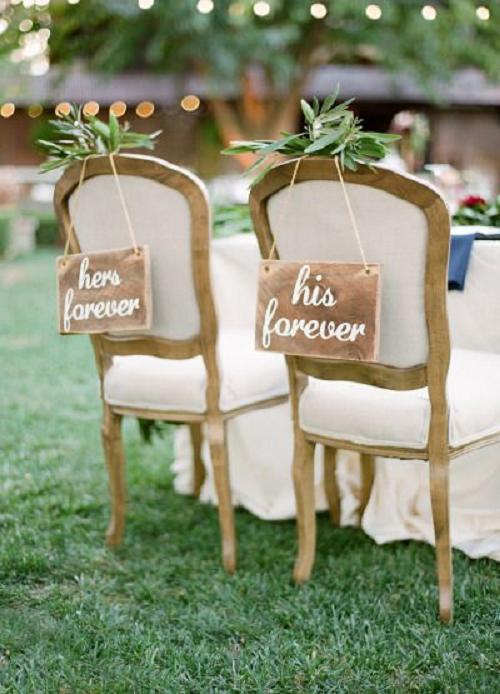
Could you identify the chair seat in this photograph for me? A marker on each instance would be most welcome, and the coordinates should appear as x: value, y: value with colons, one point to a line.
x: 369, y: 415
x: 169, y: 385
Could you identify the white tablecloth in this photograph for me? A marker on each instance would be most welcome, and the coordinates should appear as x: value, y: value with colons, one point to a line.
x: 260, y: 443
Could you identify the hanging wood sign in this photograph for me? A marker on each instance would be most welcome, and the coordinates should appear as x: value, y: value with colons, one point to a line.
x: 319, y: 309
x: 108, y: 291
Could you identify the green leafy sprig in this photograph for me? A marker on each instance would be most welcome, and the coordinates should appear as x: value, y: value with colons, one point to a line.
x: 474, y: 210
x: 331, y: 130
x: 77, y: 136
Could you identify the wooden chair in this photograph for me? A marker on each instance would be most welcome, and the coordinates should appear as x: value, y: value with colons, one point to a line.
x: 181, y: 370
x: 406, y: 405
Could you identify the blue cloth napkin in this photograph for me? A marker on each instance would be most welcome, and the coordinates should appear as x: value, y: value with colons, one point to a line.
x: 460, y: 250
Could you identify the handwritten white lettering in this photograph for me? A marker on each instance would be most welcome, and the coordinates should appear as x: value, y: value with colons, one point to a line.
x: 100, y: 309
x: 311, y: 329
x: 301, y: 292
x: 99, y: 279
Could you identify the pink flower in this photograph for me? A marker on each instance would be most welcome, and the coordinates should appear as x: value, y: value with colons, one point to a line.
x: 472, y: 201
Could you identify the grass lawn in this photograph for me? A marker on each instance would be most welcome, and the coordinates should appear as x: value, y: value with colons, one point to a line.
x: 160, y: 615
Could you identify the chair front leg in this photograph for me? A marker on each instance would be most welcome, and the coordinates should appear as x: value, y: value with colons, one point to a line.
x: 439, y: 488
x: 303, y: 479
x: 115, y: 462
x: 330, y: 482
x: 217, y: 437
x: 195, y: 432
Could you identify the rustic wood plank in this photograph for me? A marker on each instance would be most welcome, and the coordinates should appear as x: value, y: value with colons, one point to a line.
x: 322, y: 309
x: 108, y: 291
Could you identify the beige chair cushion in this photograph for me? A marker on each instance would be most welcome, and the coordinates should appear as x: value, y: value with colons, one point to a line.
x: 151, y: 383
x: 368, y: 415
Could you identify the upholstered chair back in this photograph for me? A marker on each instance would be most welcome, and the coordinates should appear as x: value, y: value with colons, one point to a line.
x: 394, y: 214
x: 169, y: 212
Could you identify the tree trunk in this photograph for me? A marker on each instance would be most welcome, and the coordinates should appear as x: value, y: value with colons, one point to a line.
x: 255, y: 117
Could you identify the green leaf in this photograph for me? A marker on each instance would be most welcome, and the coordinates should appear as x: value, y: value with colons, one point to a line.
x: 114, y: 132
x: 350, y: 163
x: 330, y: 100
x: 383, y: 137
x: 324, y: 141
x: 307, y: 111
x: 276, y: 146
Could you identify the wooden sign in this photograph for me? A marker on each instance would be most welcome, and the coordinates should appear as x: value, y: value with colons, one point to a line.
x: 319, y: 309
x: 109, y: 291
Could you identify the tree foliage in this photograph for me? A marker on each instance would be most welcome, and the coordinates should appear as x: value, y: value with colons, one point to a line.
x: 115, y: 35
x: 261, y: 63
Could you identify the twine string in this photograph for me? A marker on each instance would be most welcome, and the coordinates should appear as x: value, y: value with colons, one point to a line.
x: 284, y: 213
x: 71, y: 228
x: 350, y: 211
x: 126, y: 212
x: 70, y: 232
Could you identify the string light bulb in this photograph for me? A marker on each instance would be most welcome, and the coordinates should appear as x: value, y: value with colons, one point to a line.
x: 482, y: 13
x: 237, y: 9
x: 7, y: 110
x: 205, y: 6
x: 190, y: 102
x: 146, y: 4
x: 4, y: 25
x: 62, y: 109
x: 73, y: 2
x: 318, y: 10
x: 429, y: 13
x: 35, y: 110
x: 373, y: 12
x: 26, y: 25
x: 118, y: 108
x: 91, y: 108
x: 261, y: 8
x: 145, y: 109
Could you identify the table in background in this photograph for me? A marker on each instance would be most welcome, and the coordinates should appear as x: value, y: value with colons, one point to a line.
x: 260, y: 443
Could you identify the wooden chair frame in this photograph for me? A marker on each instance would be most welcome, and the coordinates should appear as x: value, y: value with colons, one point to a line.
x: 204, y: 344
x: 432, y: 374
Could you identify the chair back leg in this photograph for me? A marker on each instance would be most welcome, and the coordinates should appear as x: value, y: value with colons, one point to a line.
x: 330, y: 482
x: 439, y: 489
x: 195, y: 432
x: 115, y: 462
x: 303, y: 480
x: 367, y: 476
x: 217, y: 438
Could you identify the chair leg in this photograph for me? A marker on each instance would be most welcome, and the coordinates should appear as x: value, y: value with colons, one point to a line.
x: 439, y: 488
x: 367, y: 475
x: 198, y: 467
x: 303, y: 479
x: 330, y: 482
x: 218, y: 452
x: 115, y: 462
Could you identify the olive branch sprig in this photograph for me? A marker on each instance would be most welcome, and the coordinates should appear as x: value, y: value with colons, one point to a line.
x: 77, y: 136
x: 331, y: 130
